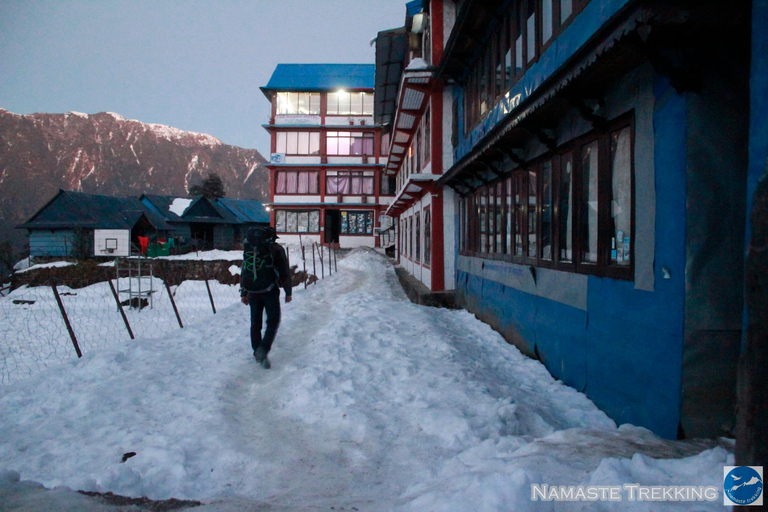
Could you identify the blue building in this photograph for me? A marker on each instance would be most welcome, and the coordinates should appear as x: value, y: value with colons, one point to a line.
x: 601, y: 161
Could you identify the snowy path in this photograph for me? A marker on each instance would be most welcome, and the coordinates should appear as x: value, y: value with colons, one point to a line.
x: 373, y: 403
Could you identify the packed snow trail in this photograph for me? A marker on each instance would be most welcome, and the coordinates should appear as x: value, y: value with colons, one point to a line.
x: 372, y: 403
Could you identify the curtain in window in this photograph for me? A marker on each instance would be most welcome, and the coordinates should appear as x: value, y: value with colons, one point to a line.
x: 291, y: 185
x: 280, y: 187
x: 303, y: 183
x: 589, y: 203
x: 337, y: 185
x: 621, y: 203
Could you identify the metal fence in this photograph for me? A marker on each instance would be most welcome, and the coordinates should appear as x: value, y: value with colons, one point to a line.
x: 62, y: 318
x: 61, y: 313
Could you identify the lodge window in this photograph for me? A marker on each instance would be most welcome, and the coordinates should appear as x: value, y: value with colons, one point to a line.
x: 356, y: 223
x: 290, y: 221
x: 343, y: 103
x: 349, y: 182
x: 517, y: 42
x: 297, y: 143
x: 572, y: 210
x: 350, y: 143
x: 388, y: 184
x: 298, y: 103
x: 296, y: 182
x: 427, y: 137
x: 417, y: 237
x: 427, y: 237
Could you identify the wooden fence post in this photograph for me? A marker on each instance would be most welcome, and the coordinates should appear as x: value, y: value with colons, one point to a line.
x: 120, y: 308
x: 66, y: 321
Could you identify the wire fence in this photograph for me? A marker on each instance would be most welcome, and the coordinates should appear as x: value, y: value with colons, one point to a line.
x: 61, y: 316
x: 53, y: 315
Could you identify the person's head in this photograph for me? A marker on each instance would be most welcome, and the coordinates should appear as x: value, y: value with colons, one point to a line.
x: 261, y: 234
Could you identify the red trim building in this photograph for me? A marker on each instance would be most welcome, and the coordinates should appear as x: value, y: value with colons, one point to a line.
x: 326, y: 155
x: 412, y: 107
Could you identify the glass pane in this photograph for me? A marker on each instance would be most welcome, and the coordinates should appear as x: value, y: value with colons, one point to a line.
x: 588, y: 220
x: 519, y: 178
x: 280, y: 142
x: 546, y: 21
x: 491, y: 219
x: 280, y: 221
x: 621, y: 199
x: 293, y: 143
x: 303, y: 103
x: 482, y: 210
x: 333, y: 103
x: 314, y: 143
x: 314, y: 221
x: 508, y: 215
x: 356, y: 103
x: 368, y: 104
x: 566, y: 8
x: 519, y: 55
x: 303, y: 143
x: 303, y: 222
x: 314, y: 103
x: 546, y: 210
x: 291, y: 222
x: 531, y: 39
x: 499, y: 218
x: 532, y: 241
x: 565, y: 215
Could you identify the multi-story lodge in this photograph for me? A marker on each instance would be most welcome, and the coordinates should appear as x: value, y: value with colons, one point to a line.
x: 326, y: 158
x: 589, y: 159
x: 411, y: 107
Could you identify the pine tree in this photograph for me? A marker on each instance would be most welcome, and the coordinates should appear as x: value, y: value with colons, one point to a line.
x: 212, y: 187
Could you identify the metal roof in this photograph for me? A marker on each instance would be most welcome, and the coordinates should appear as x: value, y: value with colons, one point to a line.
x: 391, y: 48
x: 320, y: 77
x: 69, y: 209
x: 246, y: 211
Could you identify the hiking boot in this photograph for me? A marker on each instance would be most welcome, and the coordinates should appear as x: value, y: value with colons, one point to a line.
x: 260, y: 354
x: 265, y: 363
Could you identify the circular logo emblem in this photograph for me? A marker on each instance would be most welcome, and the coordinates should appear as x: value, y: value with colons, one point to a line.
x: 743, y: 485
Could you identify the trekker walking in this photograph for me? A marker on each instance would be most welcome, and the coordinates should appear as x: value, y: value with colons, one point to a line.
x: 265, y: 271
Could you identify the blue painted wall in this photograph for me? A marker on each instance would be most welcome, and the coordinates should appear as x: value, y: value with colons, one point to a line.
x: 624, y: 351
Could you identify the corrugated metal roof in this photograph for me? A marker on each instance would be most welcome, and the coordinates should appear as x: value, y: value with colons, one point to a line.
x: 70, y: 209
x: 321, y: 77
x: 246, y: 211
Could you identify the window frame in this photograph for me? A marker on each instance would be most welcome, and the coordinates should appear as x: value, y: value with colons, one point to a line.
x: 297, y: 172
x: 285, y: 212
x: 479, y: 237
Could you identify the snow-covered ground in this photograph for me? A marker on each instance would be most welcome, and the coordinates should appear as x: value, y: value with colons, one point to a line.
x: 372, y: 404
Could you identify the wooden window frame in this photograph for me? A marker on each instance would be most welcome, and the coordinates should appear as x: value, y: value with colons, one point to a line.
x: 475, y: 227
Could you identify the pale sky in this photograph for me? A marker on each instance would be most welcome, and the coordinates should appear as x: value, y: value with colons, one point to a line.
x: 192, y: 64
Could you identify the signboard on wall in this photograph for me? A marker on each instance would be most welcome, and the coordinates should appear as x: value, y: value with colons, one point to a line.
x: 111, y: 242
x: 277, y: 158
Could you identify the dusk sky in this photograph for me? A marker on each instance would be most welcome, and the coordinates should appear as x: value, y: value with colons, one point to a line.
x: 191, y: 64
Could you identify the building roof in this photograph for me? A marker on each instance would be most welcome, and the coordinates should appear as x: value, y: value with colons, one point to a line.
x: 391, y: 48
x: 320, y: 77
x: 246, y: 211
x: 70, y: 209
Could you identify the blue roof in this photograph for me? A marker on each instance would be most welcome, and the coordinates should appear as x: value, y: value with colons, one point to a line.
x: 321, y: 77
x: 414, y: 7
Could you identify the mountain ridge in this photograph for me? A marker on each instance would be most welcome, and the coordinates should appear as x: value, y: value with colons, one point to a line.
x: 106, y: 153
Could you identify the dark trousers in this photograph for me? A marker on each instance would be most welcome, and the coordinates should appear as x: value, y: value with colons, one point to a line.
x: 259, y: 303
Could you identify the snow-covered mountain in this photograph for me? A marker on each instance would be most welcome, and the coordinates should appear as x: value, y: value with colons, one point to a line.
x: 106, y: 153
